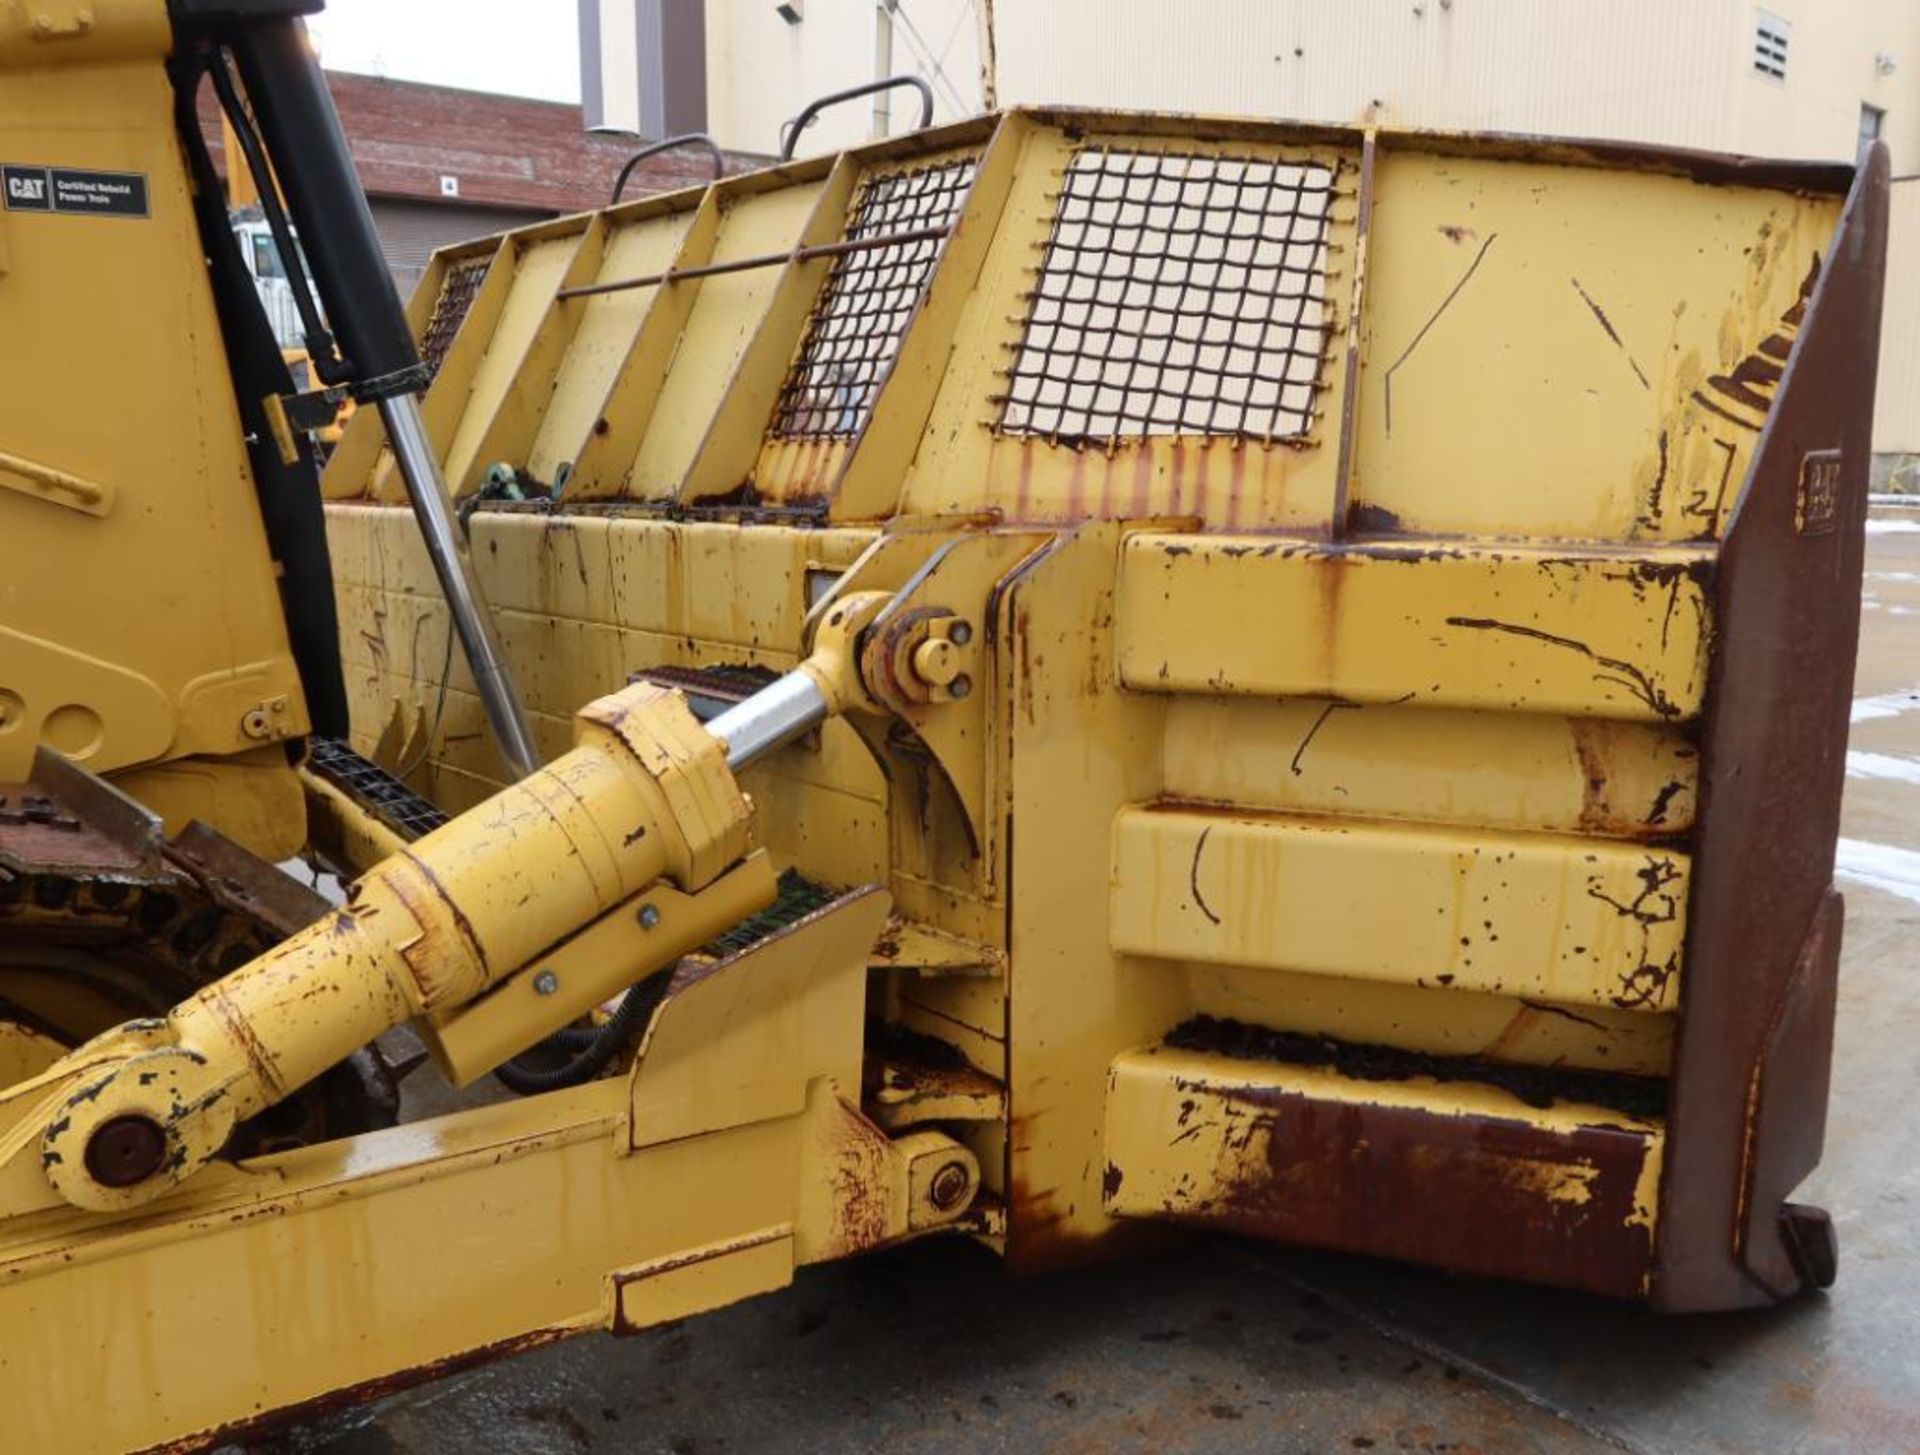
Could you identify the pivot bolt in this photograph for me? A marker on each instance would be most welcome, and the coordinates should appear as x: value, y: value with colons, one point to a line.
x: 936, y: 661
x: 125, y: 1150
x: 949, y: 1186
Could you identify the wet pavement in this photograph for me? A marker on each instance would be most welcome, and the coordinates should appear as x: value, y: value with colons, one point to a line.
x: 1230, y: 1347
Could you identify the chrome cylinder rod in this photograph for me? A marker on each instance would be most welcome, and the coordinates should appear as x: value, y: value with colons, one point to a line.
x: 783, y: 710
x: 447, y: 549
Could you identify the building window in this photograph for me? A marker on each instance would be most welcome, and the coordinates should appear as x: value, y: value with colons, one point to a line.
x: 1770, y: 37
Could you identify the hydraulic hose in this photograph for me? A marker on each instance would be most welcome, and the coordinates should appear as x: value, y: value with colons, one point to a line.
x: 586, y: 1051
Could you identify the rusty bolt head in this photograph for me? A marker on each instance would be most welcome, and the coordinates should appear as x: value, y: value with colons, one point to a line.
x: 960, y: 633
x: 961, y: 686
x: 125, y: 1150
x: 649, y: 916
x: 950, y: 1186
x: 545, y: 983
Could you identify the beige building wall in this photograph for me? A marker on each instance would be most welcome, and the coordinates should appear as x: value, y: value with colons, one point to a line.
x: 1676, y: 72
x: 1896, y: 419
x: 762, y: 69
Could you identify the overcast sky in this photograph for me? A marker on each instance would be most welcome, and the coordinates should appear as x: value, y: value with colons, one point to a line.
x: 518, y: 47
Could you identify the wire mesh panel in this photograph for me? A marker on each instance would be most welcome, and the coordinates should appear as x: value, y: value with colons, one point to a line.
x: 457, y: 288
x: 1178, y: 294
x: 863, y: 310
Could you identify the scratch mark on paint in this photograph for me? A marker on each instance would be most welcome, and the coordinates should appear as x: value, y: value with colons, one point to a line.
x: 1193, y: 875
x: 1607, y: 324
x: 1427, y: 327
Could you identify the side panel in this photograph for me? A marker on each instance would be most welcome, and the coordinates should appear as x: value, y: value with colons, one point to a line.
x: 139, y: 617
x: 1756, y: 1024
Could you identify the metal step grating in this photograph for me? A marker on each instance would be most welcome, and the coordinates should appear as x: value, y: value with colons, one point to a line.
x: 797, y: 898
x: 374, y: 789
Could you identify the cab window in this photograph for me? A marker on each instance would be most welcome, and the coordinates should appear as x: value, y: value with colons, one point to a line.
x: 266, y: 257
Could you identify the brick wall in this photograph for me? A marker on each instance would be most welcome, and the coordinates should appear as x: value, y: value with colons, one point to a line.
x: 506, y: 151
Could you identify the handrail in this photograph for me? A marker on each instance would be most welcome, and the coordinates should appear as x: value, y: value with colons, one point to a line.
x: 690, y: 138
x: 790, y: 130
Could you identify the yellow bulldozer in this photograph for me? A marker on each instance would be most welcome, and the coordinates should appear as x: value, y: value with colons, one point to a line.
x: 1050, y: 681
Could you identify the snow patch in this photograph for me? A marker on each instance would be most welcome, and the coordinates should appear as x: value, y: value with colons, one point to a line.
x: 1890, y: 766
x: 1880, y: 866
x: 1887, y: 704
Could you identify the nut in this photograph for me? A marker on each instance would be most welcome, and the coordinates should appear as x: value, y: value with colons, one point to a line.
x: 950, y: 1186
x: 126, y: 1150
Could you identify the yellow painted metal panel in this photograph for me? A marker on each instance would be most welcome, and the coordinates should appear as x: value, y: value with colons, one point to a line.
x: 609, y: 323
x: 1436, y: 1020
x: 1487, y: 769
x: 1541, y: 344
x: 602, y: 465
x: 848, y: 301
x: 1567, y: 920
x: 1435, y: 623
x: 693, y: 1282
x: 715, y: 581
x: 530, y: 393
x: 538, y: 270
x: 124, y: 618
x: 1235, y: 483
x: 869, y: 488
x: 1077, y: 753
x: 730, y: 440
x: 724, y: 316
x: 445, y: 404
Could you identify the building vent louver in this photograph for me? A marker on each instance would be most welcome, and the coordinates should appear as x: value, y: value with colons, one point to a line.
x: 1770, y: 37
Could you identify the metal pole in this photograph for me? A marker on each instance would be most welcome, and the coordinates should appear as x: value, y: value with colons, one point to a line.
x: 447, y: 548
x: 761, y: 260
x: 778, y: 713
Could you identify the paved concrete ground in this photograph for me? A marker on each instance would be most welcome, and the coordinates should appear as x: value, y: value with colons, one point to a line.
x: 1231, y: 1347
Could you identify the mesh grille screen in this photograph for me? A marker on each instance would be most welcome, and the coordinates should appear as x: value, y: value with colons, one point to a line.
x: 1177, y: 295
x: 856, y: 328
x: 457, y: 288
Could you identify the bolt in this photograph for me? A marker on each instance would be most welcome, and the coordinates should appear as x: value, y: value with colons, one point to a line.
x: 960, y: 686
x: 124, y: 1150
x: 649, y: 916
x: 545, y: 983
x: 950, y: 1186
x: 960, y: 634
x: 936, y: 661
